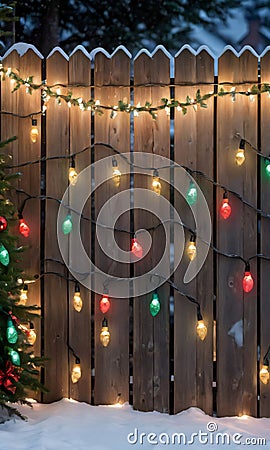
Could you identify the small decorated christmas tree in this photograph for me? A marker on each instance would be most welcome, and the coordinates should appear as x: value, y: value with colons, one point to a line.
x: 18, y: 364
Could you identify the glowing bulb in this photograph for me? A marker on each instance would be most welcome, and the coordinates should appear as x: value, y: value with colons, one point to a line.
x: 240, y: 154
x: 105, y: 334
x: 76, y: 372
x: 201, y: 329
x: 67, y: 225
x: 264, y: 374
x: 23, y: 295
x: 247, y: 282
x: 31, y: 335
x: 191, y: 196
x: 191, y: 249
x: 24, y: 229
x: 156, y: 185
x: 104, y: 304
x: 225, y: 209
x: 136, y: 248
x: 34, y: 131
x: 116, y: 173
x: 4, y: 255
x: 72, y: 174
x: 267, y: 167
x: 15, y: 357
x: 155, y: 305
x: 77, y: 301
x: 3, y: 223
x: 12, y: 334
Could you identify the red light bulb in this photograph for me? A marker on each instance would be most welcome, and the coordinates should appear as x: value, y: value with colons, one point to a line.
x: 248, y: 281
x: 104, y: 304
x: 225, y: 209
x: 3, y: 223
x: 136, y: 248
x: 24, y: 228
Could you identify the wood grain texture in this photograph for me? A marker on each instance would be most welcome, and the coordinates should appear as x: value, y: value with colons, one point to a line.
x: 80, y: 138
x: 112, y: 362
x: 23, y: 150
x: 151, y: 335
x: 193, y: 140
x: 236, y: 360
x: 55, y: 288
x: 265, y: 241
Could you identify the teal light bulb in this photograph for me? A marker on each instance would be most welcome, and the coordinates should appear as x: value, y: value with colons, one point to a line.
x: 67, y: 225
x: 12, y: 334
x: 191, y: 194
x: 267, y: 167
x: 154, y: 305
x: 15, y: 357
x: 4, y: 255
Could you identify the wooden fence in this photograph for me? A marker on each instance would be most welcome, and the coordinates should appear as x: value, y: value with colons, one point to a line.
x: 154, y: 363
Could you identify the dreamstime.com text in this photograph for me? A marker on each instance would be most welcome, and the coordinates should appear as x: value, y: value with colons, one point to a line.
x: 210, y: 436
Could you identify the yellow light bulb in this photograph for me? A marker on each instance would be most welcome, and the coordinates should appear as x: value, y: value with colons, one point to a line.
x: 76, y: 372
x: 191, y: 249
x: 77, y: 301
x: 116, y: 173
x: 240, y: 154
x: 116, y: 176
x: 264, y: 374
x: 105, y: 334
x: 23, y: 295
x: 72, y: 175
x: 156, y: 185
x: 31, y: 335
x: 34, y: 131
x: 201, y: 330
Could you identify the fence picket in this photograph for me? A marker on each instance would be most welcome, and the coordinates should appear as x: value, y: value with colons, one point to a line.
x: 80, y: 138
x: 24, y: 150
x: 151, y: 376
x: 265, y: 241
x: 55, y: 287
x: 236, y: 312
x: 112, y: 362
x: 192, y: 133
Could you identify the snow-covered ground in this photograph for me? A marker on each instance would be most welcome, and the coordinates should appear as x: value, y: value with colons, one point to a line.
x: 72, y: 425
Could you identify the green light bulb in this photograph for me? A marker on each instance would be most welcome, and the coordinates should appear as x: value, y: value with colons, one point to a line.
x: 191, y: 194
x: 4, y: 255
x: 267, y: 167
x: 67, y: 225
x: 12, y: 334
x: 15, y: 357
x: 154, y: 305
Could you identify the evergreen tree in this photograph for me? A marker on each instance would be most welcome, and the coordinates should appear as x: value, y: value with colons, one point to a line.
x: 135, y: 24
x: 18, y: 365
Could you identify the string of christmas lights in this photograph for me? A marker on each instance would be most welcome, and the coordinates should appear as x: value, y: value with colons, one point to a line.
x: 135, y: 246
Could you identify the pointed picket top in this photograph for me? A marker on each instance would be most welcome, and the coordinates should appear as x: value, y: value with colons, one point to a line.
x: 108, y: 55
x: 248, y: 48
x: 80, y: 48
x: 266, y: 50
x: 238, y: 54
x: 21, y: 48
x: 186, y: 47
x: 58, y: 50
x: 151, y: 54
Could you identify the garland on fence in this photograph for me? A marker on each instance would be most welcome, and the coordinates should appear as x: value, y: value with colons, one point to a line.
x: 94, y: 105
